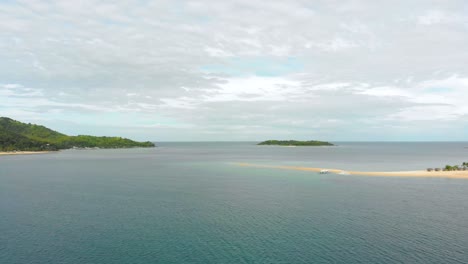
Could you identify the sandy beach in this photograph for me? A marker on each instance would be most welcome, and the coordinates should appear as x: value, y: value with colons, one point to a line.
x: 421, y: 173
x: 23, y: 152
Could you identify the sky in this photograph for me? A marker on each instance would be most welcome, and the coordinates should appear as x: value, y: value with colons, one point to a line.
x: 358, y: 70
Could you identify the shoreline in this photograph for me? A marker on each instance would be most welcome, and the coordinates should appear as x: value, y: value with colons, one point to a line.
x: 6, y: 153
x: 419, y: 173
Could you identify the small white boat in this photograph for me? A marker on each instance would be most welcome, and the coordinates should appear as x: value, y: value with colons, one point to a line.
x: 324, y: 171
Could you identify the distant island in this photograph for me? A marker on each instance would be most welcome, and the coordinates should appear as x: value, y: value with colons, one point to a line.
x: 295, y: 143
x: 18, y: 136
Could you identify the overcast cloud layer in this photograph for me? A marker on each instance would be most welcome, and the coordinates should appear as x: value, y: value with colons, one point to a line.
x: 238, y: 70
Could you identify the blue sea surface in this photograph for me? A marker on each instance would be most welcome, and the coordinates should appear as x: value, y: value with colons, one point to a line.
x: 191, y: 203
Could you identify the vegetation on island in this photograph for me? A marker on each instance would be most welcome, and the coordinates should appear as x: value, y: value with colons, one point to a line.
x: 295, y: 143
x: 18, y: 136
x: 462, y: 167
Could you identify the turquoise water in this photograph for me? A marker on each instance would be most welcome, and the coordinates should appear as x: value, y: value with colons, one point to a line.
x: 189, y: 203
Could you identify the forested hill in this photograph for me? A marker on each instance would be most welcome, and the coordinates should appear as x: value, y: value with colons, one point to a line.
x: 15, y: 135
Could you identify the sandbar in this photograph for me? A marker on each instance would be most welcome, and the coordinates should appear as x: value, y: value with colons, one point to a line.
x: 23, y: 152
x: 418, y: 173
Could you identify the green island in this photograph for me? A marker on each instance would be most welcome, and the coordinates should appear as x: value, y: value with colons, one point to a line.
x: 18, y: 136
x: 295, y: 143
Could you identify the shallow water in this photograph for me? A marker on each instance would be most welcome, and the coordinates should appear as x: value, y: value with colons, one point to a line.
x: 190, y: 203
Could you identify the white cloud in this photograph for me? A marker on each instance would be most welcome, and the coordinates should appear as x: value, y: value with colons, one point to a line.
x: 12, y: 86
x: 254, y: 89
x: 433, y: 17
x: 215, y: 52
x: 385, y: 91
x: 335, y: 44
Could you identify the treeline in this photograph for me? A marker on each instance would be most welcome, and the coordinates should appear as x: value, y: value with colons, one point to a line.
x: 295, y: 143
x: 462, y: 167
x: 84, y: 141
x: 17, y: 136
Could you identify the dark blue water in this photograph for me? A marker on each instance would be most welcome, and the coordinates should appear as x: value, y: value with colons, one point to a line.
x: 189, y: 203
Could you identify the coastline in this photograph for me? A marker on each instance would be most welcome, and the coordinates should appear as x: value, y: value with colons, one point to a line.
x: 4, y: 153
x: 421, y: 173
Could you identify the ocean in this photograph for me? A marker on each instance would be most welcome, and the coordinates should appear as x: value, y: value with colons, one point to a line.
x: 191, y: 203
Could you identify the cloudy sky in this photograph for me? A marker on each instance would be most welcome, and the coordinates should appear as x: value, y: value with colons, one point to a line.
x: 238, y: 70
